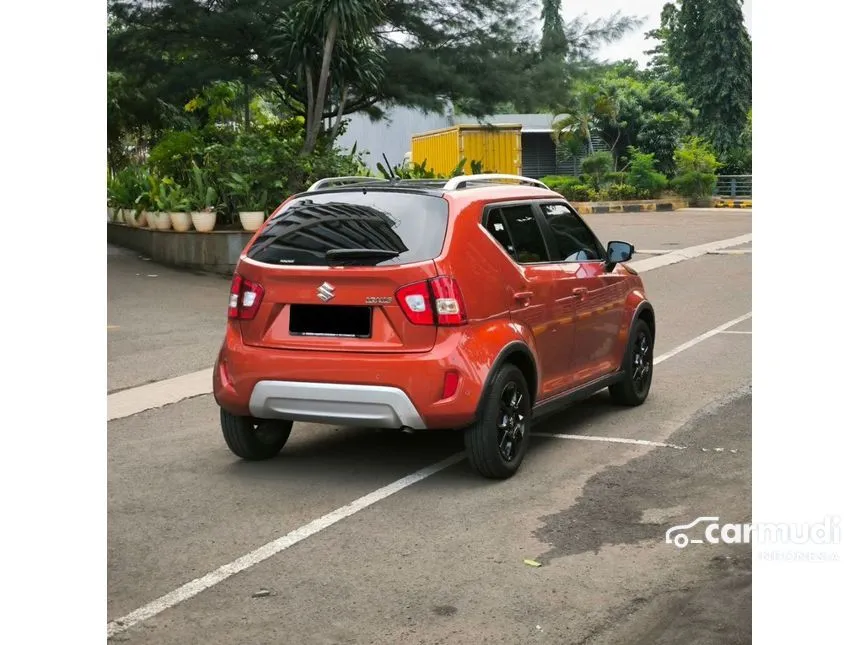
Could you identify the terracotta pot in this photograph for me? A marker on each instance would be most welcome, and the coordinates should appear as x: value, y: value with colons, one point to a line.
x: 180, y: 221
x: 204, y: 221
x: 149, y: 219
x: 161, y: 221
x: 252, y: 220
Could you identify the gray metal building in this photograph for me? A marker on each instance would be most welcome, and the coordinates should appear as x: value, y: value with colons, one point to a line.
x: 393, y: 137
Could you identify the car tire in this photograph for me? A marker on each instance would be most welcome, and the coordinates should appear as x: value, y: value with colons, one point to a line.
x: 254, y: 439
x: 498, y: 440
x: 638, y: 367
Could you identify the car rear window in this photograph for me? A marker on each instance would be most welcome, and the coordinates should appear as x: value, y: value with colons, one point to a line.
x: 369, y: 228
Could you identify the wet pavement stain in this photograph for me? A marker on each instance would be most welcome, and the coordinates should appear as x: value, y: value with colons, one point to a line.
x: 612, y: 504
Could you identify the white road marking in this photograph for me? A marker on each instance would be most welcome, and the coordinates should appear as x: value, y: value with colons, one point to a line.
x: 649, y: 264
x: 584, y: 437
x: 698, y: 339
x: 731, y: 252
x: 155, y: 395
x: 191, y: 589
x: 735, y: 332
x: 653, y: 252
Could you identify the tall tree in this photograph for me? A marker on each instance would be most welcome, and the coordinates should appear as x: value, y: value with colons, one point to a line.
x: 553, y: 39
x: 326, y: 59
x: 711, y: 47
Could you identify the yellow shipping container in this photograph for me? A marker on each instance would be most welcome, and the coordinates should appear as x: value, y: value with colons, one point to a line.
x: 497, y: 147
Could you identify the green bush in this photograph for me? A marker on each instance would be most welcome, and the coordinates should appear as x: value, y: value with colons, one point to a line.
x: 617, y: 178
x: 571, y: 188
x: 174, y: 153
x: 696, y: 166
x: 644, y: 177
x: 621, y: 192
x: 557, y: 182
x: 597, y: 167
x: 125, y: 186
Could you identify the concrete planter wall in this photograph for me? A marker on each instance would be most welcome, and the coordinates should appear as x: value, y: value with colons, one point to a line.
x: 638, y: 206
x: 215, y: 252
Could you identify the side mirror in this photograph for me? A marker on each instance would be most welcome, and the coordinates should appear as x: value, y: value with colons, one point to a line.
x: 617, y: 252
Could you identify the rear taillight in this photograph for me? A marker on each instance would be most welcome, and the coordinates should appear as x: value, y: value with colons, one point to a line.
x: 450, y: 309
x: 433, y: 302
x: 414, y: 300
x: 245, y: 299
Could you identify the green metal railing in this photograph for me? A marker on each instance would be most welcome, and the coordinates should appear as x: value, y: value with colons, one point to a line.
x: 734, y: 186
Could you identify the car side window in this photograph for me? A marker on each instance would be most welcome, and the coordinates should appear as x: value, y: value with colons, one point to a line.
x: 576, y: 243
x: 497, y: 228
x: 525, y: 233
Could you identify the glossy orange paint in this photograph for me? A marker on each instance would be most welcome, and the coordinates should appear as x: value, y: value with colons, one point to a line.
x: 570, y: 319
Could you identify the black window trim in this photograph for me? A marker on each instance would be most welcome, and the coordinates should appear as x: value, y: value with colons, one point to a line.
x: 541, y: 222
x: 550, y: 235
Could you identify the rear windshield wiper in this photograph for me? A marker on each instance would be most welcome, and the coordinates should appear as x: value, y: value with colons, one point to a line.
x: 360, y: 254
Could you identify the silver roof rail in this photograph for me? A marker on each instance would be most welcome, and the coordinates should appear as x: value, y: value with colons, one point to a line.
x: 339, y: 181
x: 462, y: 180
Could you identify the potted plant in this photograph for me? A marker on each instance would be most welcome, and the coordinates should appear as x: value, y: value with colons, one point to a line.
x: 124, y: 188
x: 147, y: 201
x: 202, y: 198
x: 164, y: 198
x: 250, y: 202
x: 173, y: 200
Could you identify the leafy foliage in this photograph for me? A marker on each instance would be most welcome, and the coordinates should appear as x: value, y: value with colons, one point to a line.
x: 708, y: 43
x: 174, y: 152
x: 202, y: 194
x: 643, y: 176
x: 621, y: 192
x: 597, y: 166
x: 697, y: 165
x: 571, y: 188
x: 126, y: 185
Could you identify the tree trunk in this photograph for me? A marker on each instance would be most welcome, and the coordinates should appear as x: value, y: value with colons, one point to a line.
x: 339, y: 116
x: 247, y: 100
x: 319, y: 102
x: 309, y: 79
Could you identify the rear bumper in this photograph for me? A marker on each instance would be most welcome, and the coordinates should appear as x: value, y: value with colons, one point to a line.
x: 372, y: 406
x: 365, y: 389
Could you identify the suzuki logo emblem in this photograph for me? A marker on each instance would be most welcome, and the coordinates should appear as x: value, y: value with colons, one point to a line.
x: 325, y: 292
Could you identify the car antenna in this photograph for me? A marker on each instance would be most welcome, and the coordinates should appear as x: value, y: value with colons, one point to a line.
x: 393, y: 176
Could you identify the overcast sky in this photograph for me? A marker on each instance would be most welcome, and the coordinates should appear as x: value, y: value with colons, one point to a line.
x: 635, y: 44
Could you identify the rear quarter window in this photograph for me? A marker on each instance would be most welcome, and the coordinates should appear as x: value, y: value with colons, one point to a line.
x: 402, y: 227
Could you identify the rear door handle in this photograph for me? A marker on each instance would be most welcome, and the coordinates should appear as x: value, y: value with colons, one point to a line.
x: 523, y: 296
x: 579, y: 293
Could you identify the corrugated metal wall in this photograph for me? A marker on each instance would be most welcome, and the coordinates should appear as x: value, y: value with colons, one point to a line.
x: 441, y: 149
x: 539, y: 155
x: 499, y: 149
x: 392, y: 137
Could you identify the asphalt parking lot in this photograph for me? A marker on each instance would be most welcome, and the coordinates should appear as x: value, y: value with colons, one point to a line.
x: 316, y: 546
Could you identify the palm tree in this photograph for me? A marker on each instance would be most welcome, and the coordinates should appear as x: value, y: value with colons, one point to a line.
x: 313, y: 33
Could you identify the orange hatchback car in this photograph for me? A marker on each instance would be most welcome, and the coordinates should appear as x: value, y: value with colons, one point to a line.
x: 478, y: 303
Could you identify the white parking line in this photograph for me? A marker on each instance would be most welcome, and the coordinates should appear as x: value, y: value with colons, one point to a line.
x: 191, y: 589
x: 585, y: 437
x: 735, y: 332
x: 155, y: 395
x: 649, y: 264
x: 698, y: 339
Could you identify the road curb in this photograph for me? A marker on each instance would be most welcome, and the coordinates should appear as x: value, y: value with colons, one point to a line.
x: 732, y: 203
x: 639, y: 206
